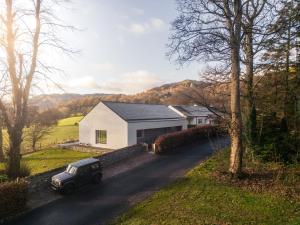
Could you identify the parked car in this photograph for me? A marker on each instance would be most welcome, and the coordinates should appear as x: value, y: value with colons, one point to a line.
x: 77, y: 174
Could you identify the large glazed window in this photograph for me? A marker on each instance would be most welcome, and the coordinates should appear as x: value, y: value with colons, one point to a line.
x: 101, y: 137
x: 140, y: 133
x: 200, y: 121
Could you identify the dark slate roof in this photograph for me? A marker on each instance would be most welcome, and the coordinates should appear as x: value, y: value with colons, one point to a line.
x: 84, y: 162
x: 137, y: 111
x: 193, y: 110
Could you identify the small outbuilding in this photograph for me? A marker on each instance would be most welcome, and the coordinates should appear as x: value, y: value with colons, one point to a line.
x: 115, y: 125
x: 194, y: 114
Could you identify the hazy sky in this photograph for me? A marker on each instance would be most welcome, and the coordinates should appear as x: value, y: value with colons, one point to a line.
x: 123, y: 46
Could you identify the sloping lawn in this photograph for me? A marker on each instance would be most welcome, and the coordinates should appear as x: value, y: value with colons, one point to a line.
x: 45, y: 160
x: 65, y: 130
x: 202, y: 198
x: 59, y: 134
x: 70, y: 121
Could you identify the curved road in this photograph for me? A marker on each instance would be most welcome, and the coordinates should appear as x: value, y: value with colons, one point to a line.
x: 95, y: 205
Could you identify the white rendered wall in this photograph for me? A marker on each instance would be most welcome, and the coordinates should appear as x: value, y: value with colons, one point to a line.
x: 142, y: 125
x: 103, y: 118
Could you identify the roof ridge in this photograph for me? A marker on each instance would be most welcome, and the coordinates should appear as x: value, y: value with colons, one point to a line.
x: 135, y: 103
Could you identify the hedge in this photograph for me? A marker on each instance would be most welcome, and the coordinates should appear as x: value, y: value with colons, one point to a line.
x: 13, y: 197
x: 169, y: 142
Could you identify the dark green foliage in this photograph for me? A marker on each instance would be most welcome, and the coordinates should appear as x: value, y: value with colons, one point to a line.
x: 251, y: 132
x: 169, y: 142
x: 13, y: 197
x: 277, y: 143
x: 3, y: 178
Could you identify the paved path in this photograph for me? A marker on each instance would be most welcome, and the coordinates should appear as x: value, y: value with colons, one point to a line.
x: 95, y: 205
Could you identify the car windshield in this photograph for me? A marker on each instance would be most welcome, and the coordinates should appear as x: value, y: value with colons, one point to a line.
x: 71, y: 169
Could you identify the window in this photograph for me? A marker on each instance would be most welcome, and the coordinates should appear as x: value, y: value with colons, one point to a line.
x: 83, y: 170
x: 101, y: 137
x: 140, y: 133
x: 199, y: 121
x: 95, y: 166
x: 178, y: 128
x: 71, y: 169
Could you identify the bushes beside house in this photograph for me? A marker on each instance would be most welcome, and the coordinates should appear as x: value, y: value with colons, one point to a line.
x: 13, y: 197
x: 168, y: 142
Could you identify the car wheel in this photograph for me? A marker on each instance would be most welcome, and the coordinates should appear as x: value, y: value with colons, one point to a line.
x: 98, y: 179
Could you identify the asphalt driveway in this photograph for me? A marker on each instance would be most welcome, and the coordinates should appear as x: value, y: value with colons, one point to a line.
x: 100, y: 204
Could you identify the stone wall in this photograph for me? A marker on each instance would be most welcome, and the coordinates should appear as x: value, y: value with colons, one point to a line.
x: 90, y: 149
x: 120, y: 154
x: 40, y: 181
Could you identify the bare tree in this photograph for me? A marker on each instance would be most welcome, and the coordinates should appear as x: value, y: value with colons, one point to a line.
x: 211, y: 30
x: 257, y: 17
x: 25, y: 28
x: 35, y: 133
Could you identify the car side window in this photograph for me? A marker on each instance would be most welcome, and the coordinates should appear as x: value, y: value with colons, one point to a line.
x: 83, y: 170
x: 95, y: 166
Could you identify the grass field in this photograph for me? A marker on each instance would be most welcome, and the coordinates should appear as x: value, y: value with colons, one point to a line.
x: 202, y: 198
x: 45, y: 160
x: 51, y: 158
x: 70, y: 121
x: 65, y: 130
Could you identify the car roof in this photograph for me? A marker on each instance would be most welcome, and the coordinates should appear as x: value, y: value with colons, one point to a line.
x: 84, y: 162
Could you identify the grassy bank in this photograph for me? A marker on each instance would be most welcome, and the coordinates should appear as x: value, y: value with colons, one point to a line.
x: 65, y: 130
x: 48, y: 159
x: 268, y: 194
x: 70, y: 121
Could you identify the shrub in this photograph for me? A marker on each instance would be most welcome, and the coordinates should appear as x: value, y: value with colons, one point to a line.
x: 3, y: 178
x: 168, y: 142
x: 13, y: 197
x: 276, y: 143
x: 25, y: 170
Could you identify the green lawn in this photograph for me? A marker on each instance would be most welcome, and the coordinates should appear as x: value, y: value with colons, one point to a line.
x: 59, y: 134
x: 70, y: 121
x: 45, y: 160
x: 65, y: 130
x: 202, y: 198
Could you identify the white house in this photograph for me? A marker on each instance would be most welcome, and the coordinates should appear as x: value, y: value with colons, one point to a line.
x: 194, y: 114
x: 116, y: 125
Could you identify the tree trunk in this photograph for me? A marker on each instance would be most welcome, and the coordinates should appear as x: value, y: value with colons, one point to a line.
x: 235, y: 105
x: 14, y: 157
x: 250, y: 101
x: 2, y: 158
x: 236, y: 120
x: 33, y: 145
x: 286, y: 77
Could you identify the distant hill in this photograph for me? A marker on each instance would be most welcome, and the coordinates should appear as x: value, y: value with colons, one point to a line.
x: 172, y: 93
x: 48, y: 101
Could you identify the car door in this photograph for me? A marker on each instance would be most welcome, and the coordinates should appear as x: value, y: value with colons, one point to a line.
x: 83, y: 175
